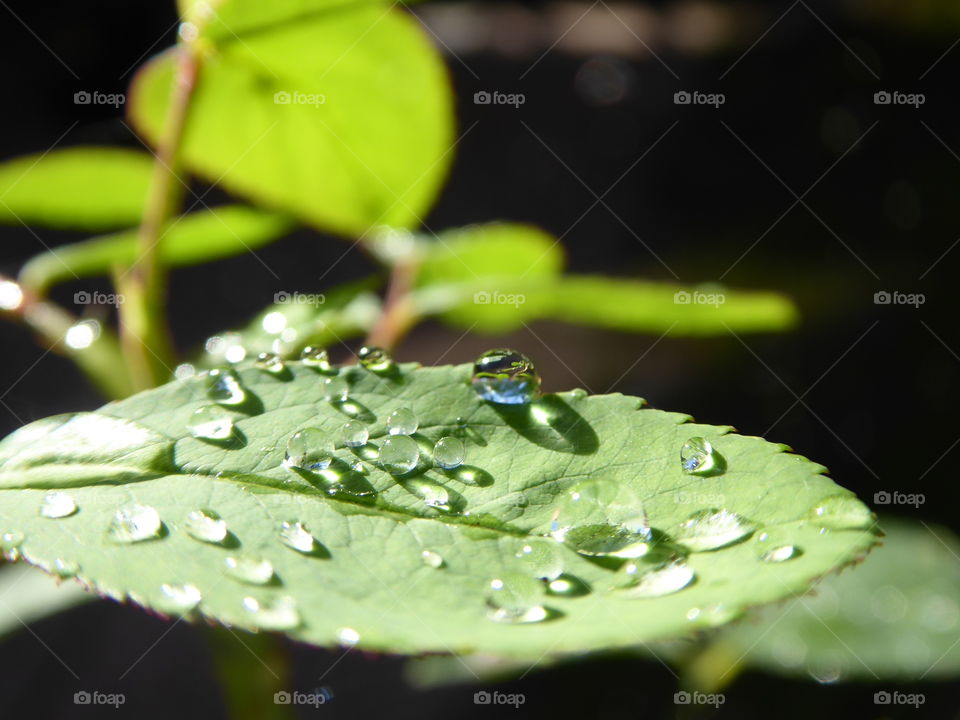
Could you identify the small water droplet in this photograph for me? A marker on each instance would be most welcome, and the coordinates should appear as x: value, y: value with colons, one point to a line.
x: 697, y: 457
x: 11, y: 540
x: 294, y: 535
x: 399, y: 454
x: 641, y: 582
x: 223, y: 387
x: 249, y: 569
x: 360, y: 468
x: 307, y: 449
x: 843, y: 512
x: 179, y: 598
x: 354, y: 434
x: 780, y: 554
x: 375, y: 358
x: 402, y: 422
x: 348, y: 636
x: 206, y: 525
x: 449, y: 452
x: 57, y: 505
x: 316, y: 357
x: 693, y: 613
x: 271, y: 362
x: 506, y: 377
x: 279, y: 614
x: 541, y: 558
x: 516, y: 598
x: 65, y: 568
x: 336, y: 389
x: 712, y: 529
x: 211, y: 422
x: 431, y: 559
x: 135, y: 523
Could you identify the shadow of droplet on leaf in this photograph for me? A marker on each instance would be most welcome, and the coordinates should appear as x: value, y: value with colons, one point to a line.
x: 469, y: 475
x: 355, y: 410
x: 551, y: 423
x: 234, y: 441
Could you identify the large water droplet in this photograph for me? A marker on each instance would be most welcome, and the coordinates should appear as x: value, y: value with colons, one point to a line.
x: 602, y: 518
x: 402, y: 422
x: 307, y: 449
x: 375, y: 358
x: 249, y: 569
x: 57, y: 505
x: 179, y: 598
x: 354, y: 434
x: 211, y: 422
x: 642, y: 582
x: 697, y: 457
x: 541, y: 559
x: 399, y: 454
x: 449, y: 452
x: 206, y: 525
x: 279, y: 614
x: 336, y: 389
x: 348, y: 636
x: 780, y: 554
x: 295, y: 536
x: 271, y: 362
x: 712, y: 529
x: 516, y: 598
x: 223, y: 387
x: 135, y: 523
x: 316, y: 357
x: 431, y: 559
x: 843, y: 512
x: 506, y: 377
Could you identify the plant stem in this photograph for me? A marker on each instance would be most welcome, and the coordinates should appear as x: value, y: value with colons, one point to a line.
x: 146, y: 339
x: 398, y: 311
x: 251, y: 669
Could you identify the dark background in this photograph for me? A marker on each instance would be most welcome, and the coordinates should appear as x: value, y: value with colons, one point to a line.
x: 878, y: 383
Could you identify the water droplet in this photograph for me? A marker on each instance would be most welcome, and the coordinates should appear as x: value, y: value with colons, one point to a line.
x: 184, y: 371
x: 223, y: 387
x: 360, y: 468
x: 211, y: 422
x: 399, y: 454
x: 307, y: 449
x: 348, y: 636
x: 336, y: 389
x: 280, y: 614
x: 179, y: 598
x: 780, y: 554
x: 206, y: 525
x: 449, y: 452
x: 433, y: 495
x: 843, y: 512
x: 431, y: 559
x: 375, y: 359
x: 656, y: 582
x: 693, y: 613
x: 506, y: 377
x: 516, y: 598
x: 271, y: 362
x: 135, y: 523
x: 602, y: 518
x: 354, y: 434
x: 402, y: 422
x: 57, y: 505
x: 11, y: 540
x: 294, y: 535
x: 65, y: 568
x: 248, y: 569
x: 697, y: 457
x: 541, y: 559
x: 316, y: 357
x: 712, y: 529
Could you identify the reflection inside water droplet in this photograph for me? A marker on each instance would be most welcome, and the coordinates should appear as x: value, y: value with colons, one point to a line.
x: 506, y: 377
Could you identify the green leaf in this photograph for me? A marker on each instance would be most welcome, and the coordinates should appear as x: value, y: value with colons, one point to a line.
x: 374, y: 151
x: 189, y: 240
x: 82, y: 188
x: 895, y: 618
x: 367, y: 576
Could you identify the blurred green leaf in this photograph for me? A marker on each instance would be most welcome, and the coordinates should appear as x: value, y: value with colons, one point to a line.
x: 344, y: 120
x: 82, y: 188
x: 188, y: 240
x: 27, y: 594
